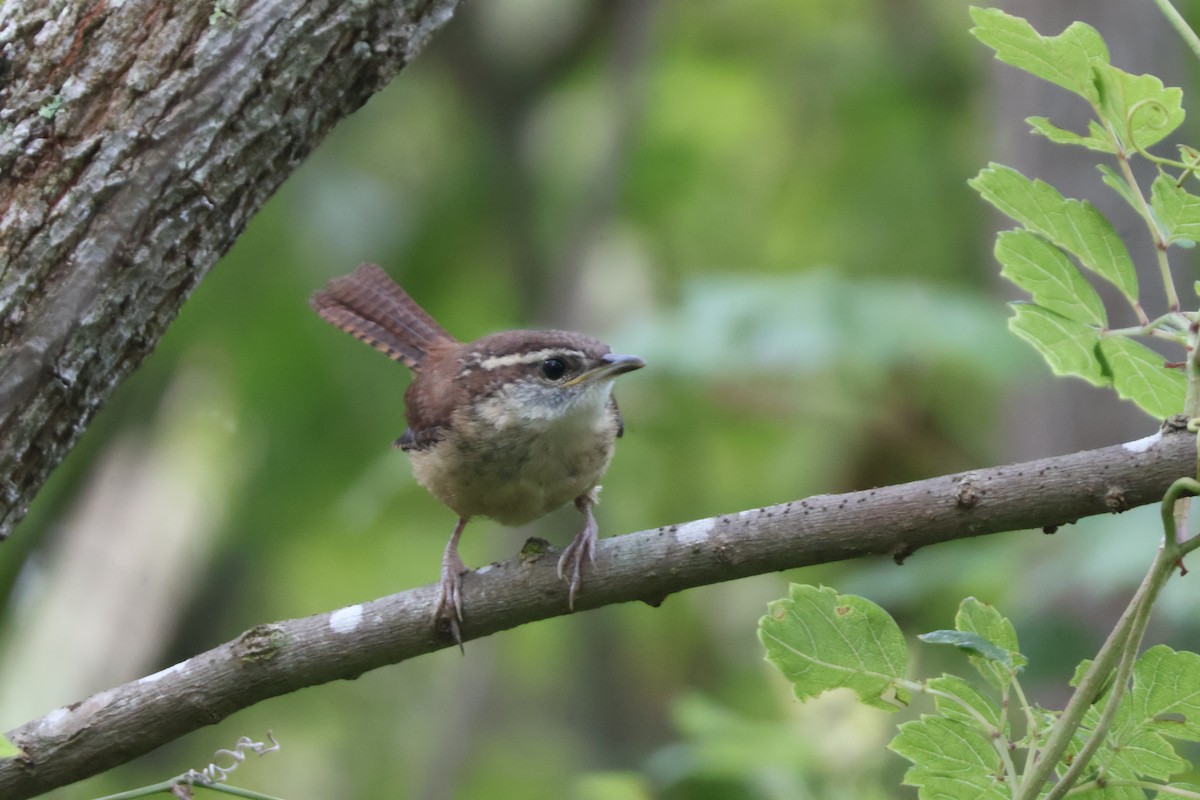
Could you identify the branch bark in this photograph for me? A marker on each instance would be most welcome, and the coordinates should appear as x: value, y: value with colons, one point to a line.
x: 136, y: 140
x: 114, y: 726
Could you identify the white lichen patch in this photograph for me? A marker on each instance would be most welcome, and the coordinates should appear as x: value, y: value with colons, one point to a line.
x: 346, y: 620
x: 1142, y: 445
x: 162, y: 673
x: 693, y: 533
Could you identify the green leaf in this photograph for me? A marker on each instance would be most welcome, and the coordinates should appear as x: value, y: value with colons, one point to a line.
x: 971, y: 643
x: 1162, y: 701
x: 1137, y: 107
x: 989, y: 624
x: 1075, y: 226
x: 1138, y: 374
x: 1166, y: 692
x: 944, y: 787
x: 1065, y: 60
x: 941, y: 748
x: 964, y: 702
x: 7, y: 748
x: 821, y: 640
x: 1097, y: 139
x: 1120, y: 186
x: 1048, y: 275
x: 1069, y: 347
x: 1176, y: 210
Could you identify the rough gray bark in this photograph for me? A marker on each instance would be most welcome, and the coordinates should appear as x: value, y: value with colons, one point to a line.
x: 136, y: 140
x: 114, y: 726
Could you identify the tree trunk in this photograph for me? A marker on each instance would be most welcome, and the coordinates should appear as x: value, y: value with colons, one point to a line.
x: 136, y: 140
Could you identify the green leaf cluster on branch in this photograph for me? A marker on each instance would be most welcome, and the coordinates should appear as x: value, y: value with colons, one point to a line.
x: 1113, y: 740
x: 1066, y: 321
x: 986, y: 743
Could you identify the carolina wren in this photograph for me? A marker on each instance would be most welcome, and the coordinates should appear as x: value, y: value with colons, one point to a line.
x: 510, y: 426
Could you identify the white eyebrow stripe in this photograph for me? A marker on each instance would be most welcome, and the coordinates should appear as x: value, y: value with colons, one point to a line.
x: 531, y: 357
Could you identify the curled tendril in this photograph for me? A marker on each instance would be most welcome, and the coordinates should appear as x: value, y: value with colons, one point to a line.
x: 1161, y: 120
x: 216, y: 773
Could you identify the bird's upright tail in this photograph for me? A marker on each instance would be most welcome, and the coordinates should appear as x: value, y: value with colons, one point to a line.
x: 371, y: 307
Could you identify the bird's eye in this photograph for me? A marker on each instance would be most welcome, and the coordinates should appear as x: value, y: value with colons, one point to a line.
x: 554, y: 368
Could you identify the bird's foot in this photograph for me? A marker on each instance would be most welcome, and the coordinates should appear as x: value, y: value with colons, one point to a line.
x: 448, y: 613
x: 582, y: 548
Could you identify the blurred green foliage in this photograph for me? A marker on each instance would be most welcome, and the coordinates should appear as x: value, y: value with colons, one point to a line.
x: 768, y: 201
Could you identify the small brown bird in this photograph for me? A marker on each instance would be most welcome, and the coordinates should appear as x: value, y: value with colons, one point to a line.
x: 510, y: 426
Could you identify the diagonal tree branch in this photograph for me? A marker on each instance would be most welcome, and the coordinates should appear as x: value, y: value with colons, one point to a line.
x: 114, y: 726
x: 136, y: 140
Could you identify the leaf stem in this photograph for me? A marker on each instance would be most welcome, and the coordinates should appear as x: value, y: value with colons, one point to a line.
x: 1161, y: 789
x: 1160, y: 245
x: 997, y: 737
x: 178, y: 780
x: 1142, y: 603
x: 1033, y: 728
x: 1119, y: 651
x: 1180, y: 25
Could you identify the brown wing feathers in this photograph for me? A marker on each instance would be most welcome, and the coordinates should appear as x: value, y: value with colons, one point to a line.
x: 369, y: 305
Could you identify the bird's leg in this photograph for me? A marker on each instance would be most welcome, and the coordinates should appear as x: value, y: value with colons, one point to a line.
x: 582, y: 547
x: 449, y: 604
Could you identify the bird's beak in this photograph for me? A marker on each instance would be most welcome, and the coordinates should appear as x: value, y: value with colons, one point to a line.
x: 611, y: 366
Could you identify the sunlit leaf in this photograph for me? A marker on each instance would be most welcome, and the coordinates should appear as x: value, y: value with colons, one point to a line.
x: 1176, y: 210
x: 1137, y: 107
x: 1069, y: 347
x: 821, y: 640
x: 1048, y: 275
x: 1120, y: 186
x: 987, y: 623
x: 1162, y: 702
x: 7, y: 748
x: 946, y: 787
x: 1138, y: 374
x: 1076, y: 226
x: 964, y: 702
x: 1096, y: 138
x: 948, y: 753
x: 1065, y: 60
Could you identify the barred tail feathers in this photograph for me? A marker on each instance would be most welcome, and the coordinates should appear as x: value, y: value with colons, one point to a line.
x: 371, y: 307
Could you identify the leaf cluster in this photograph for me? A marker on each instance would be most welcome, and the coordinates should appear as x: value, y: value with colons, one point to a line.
x: 1061, y: 238
x: 982, y: 741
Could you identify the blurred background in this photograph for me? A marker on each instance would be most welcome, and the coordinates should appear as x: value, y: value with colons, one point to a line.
x: 768, y: 202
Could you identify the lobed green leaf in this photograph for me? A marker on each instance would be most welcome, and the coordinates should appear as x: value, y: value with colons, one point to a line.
x: 1138, y: 374
x: 1048, y: 275
x: 989, y: 624
x: 1076, y: 226
x: 821, y: 640
x: 1163, y: 702
x: 1120, y: 186
x: 1139, y: 110
x: 1069, y: 347
x: 945, y: 787
x: 1176, y: 210
x: 1096, y: 139
x: 945, y: 749
x: 1166, y: 692
x: 958, y: 700
x: 1065, y: 60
